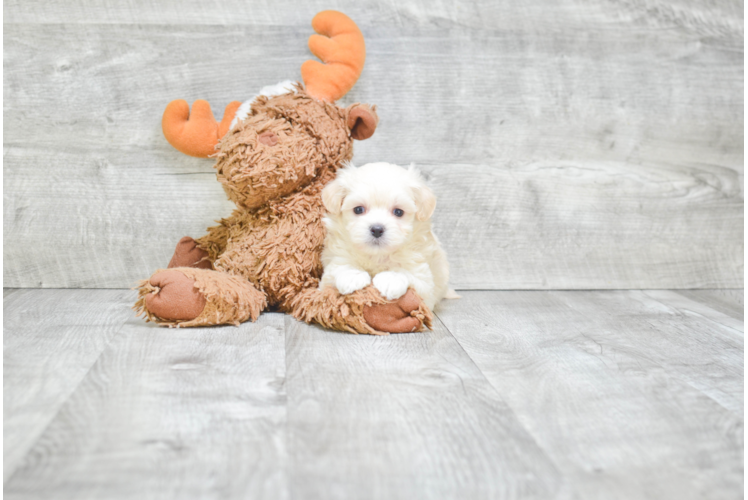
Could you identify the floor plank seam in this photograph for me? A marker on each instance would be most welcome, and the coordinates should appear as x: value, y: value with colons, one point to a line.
x: 493, y: 388
x: 286, y: 427
x: 22, y: 462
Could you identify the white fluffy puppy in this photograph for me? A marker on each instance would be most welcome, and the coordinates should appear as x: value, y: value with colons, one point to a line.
x: 379, y: 230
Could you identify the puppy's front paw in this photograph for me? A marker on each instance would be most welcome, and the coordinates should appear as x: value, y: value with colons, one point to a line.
x: 352, y: 280
x: 392, y: 285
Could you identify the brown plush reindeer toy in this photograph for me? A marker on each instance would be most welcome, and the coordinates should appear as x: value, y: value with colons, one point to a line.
x: 274, y: 155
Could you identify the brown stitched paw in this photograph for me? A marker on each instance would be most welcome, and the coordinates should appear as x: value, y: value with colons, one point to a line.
x: 188, y: 254
x: 177, y: 299
x: 394, y: 317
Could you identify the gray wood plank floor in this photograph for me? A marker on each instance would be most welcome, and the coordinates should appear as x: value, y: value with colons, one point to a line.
x: 562, y: 394
x: 50, y: 342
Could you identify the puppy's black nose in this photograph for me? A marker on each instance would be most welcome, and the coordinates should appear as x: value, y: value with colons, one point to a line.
x: 377, y: 230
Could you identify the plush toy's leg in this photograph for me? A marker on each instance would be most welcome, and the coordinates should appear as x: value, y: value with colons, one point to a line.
x: 364, y: 311
x: 214, y: 243
x: 186, y: 296
x: 201, y: 253
x: 406, y: 314
x: 188, y: 254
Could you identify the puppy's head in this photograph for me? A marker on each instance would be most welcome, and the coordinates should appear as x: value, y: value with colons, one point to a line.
x: 378, y: 206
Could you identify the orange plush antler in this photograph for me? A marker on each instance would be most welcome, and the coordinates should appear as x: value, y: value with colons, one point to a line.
x: 196, y: 134
x: 343, y: 51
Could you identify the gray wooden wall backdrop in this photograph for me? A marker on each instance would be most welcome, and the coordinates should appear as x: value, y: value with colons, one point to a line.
x: 572, y: 143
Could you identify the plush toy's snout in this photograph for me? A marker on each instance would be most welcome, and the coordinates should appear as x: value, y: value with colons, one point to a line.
x: 267, y: 138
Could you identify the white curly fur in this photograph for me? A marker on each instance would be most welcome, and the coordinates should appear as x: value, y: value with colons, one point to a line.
x: 406, y: 254
x: 267, y: 91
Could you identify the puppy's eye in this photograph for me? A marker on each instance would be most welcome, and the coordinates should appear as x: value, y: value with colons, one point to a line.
x: 398, y: 212
x: 359, y: 210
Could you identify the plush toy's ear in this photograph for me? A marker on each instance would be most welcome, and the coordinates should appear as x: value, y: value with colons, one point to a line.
x: 362, y: 120
x: 426, y: 202
x: 333, y: 195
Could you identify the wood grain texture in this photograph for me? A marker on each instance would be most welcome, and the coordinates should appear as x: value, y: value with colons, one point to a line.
x: 403, y: 416
x: 601, y: 143
x: 562, y: 225
x: 693, y: 306
x: 584, y: 395
x: 182, y: 413
x: 111, y: 230
x: 695, y: 349
x: 710, y: 17
x: 730, y: 302
x: 630, y: 397
x: 51, y: 338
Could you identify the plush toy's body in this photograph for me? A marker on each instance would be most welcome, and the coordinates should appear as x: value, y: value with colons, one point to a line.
x: 273, y: 163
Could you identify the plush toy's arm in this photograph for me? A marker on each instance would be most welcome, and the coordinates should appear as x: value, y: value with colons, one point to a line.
x: 363, y: 311
x: 198, y: 133
x: 215, y: 241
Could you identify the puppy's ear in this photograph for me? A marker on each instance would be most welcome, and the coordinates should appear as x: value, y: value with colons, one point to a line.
x: 362, y: 120
x: 333, y: 195
x: 425, y: 201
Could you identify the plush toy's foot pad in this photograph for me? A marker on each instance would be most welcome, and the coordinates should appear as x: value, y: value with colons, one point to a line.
x: 186, y: 297
x: 176, y: 298
x: 406, y: 314
x: 188, y: 254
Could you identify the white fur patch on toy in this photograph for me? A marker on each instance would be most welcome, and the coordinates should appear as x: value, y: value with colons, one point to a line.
x: 283, y: 87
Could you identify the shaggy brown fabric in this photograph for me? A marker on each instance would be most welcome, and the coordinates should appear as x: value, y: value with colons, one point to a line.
x: 312, y: 139
x: 228, y: 299
x: 330, y: 309
x: 270, y: 246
